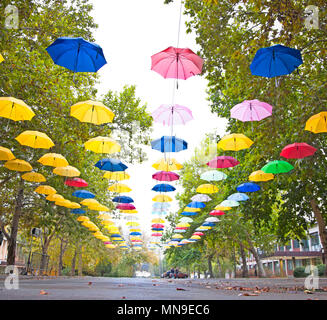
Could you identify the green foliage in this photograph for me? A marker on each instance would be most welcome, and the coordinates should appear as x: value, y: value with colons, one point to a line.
x: 299, y: 272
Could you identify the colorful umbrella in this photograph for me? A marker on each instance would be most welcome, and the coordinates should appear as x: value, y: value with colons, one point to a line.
x: 15, y: 109
x: 35, y: 139
x: 260, y: 176
x: 167, y: 165
x: 45, y: 190
x: 189, y: 209
x: 213, y: 175
x: 238, y: 197
x: 53, y: 160
x: 54, y: 197
x: 169, y: 144
x: 196, y: 204
x: 34, y: 177
x: 198, y: 233
x: 162, y: 198
x: 165, y: 176
x: 298, y: 151
x: 277, y: 166
x: 248, y: 187
x: 229, y: 203
x: 18, y: 165
x: 6, y: 154
x: 186, y: 213
x: 89, y: 202
x: 251, y: 110
x: 207, y: 188
x: 111, y: 165
x: 317, y: 123
x: 161, y: 205
x: 275, y: 61
x: 177, y: 63
x: 117, y: 176
x: 76, y: 182
x: 102, y: 145
x: 186, y: 220
x: 77, y: 211
x: 122, y: 199
x: 212, y: 219
x: 163, y: 187
x: 67, y: 171
x: 125, y: 206
x: 235, y: 142
x: 222, y: 208
x: 201, y: 198
x: 223, y: 162
x: 84, y: 194
x: 119, y: 188
x: 172, y: 115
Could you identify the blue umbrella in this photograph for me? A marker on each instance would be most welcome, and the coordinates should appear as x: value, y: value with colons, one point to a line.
x: 196, y: 204
x: 122, y: 199
x: 135, y: 233
x: 111, y: 165
x: 161, y: 205
x: 115, y: 236
x: 186, y: 213
x: 163, y: 187
x: 77, y: 54
x: 238, y: 197
x: 157, y: 229
x: 84, y: 194
x: 275, y: 61
x: 169, y: 144
x: 248, y: 187
x: 77, y: 211
x: 208, y: 224
x: 159, y: 212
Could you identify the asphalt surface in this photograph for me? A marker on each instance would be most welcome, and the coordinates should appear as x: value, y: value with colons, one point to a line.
x: 90, y: 288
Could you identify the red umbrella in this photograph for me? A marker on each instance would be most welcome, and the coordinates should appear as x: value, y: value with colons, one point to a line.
x: 165, y: 176
x: 198, y: 234
x: 136, y: 240
x: 76, y: 182
x: 126, y: 206
x: 217, y: 213
x: 157, y: 234
x: 157, y: 225
x: 177, y: 63
x: 298, y: 151
x: 181, y: 228
x: 223, y: 162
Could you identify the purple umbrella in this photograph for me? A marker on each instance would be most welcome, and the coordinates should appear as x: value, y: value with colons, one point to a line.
x: 251, y: 110
x: 171, y: 115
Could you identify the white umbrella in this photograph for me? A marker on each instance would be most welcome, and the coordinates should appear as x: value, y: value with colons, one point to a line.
x: 186, y: 219
x: 212, y: 219
x: 201, y: 198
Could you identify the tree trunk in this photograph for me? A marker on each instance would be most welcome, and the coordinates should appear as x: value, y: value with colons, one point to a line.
x: 74, y: 261
x: 245, y: 271
x: 322, y: 231
x: 261, y: 271
x: 62, y: 251
x: 199, y: 273
x: 43, y: 264
x: 220, y: 271
x: 80, y: 262
x: 210, y: 266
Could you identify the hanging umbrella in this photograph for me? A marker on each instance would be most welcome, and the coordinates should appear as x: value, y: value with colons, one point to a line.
x: 192, y: 209
x: 207, y: 188
x: 18, y: 165
x: 122, y: 199
x: 208, y: 224
x: 102, y: 145
x: 235, y: 142
x: 169, y: 144
x: 213, y: 175
x: 129, y: 211
x: 156, y: 234
x: 35, y: 139
x: 111, y: 165
x: 162, y: 198
x: 68, y: 171
x: 34, y: 177
x: 229, y: 203
x: 76, y: 54
x: 15, y: 109
x: 222, y: 208
x: 317, y: 123
x: 238, y: 197
x: 89, y: 202
x: 84, y: 194
x: 119, y: 188
x: 260, y: 176
x: 167, y: 165
x: 201, y: 198
x: 75, y: 205
x: 298, y: 151
x: 117, y: 176
x: 125, y: 206
x: 198, y: 233
x: 6, y: 154
x: 165, y: 176
x: 177, y: 63
x: 171, y: 115
x: 183, y: 225
x: 275, y: 61
x: 158, y: 220
x: 54, y: 197
x: 196, y: 204
x: 223, y: 162
x: 157, y: 225
x: 83, y: 218
x: 186, y: 220
x: 163, y: 187
x: 45, y: 190
x: 98, y: 207
x: 135, y: 233
x: 177, y: 236
x: 186, y: 213
x: 77, y: 211
x: 76, y: 182
x: 53, y: 160
x: 277, y: 166
x: 248, y: 187
x: 212, y: 219
x: 161, y: 205
x: 196, y: 237
x: 251, y: 110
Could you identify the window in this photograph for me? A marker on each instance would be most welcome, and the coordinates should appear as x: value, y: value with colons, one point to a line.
x: 289, y: 264
x: 296, y: 244
x: 315, y: 244
x: 305, y: 245
x: 288, y: 246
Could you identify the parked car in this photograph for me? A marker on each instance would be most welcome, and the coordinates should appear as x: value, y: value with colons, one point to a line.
x: 168, y: 274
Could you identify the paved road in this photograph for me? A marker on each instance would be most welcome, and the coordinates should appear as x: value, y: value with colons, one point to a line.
x: 161, y: 289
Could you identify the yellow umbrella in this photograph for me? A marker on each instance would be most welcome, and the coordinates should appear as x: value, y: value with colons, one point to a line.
x: 105, y: 238
x: 1, y: 58
x: 157, y: 220
x: 53, y: 160
x: 107, y: 223
x: 89, y: 202
x: 117, y: 175
x: 98, y: 233
x: 99, y: 207
x: 132, y: 224
x: 113, y: 229
x: 104, y: 216
x: 119, y: 188
x: 92, y: 112
x: 207, y: 188
x: 83, y: 218
x: 177, y: 236
x: 235, y: 142
x: 162, y: 198
x: 102, y: 145
x: 54, y: 197
x: 15, y: 109
x: 63, y: 203
x: 260, y: 176
x: 110, y: 246
x: 75, y: 205
x: 67, y: 171
x: 135, y: 230
x: 183, y: 225
x: 129, y: 211
x: 167, y: 165
x: 45, y: 190
x: 205, y: 227
x: 6, y: 154
x: 34, y: 177
x: 35, y: 139
x: 18, y: 165
x: 222, y: 208
x: 196, y: 237
x: 188, y: 209
x: 317, y: 123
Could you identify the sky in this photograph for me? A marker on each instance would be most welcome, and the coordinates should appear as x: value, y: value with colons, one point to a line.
x: 130, y: 32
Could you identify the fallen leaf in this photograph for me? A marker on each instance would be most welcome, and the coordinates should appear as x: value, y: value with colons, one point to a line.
x: 120, y: 285
x: 308, y: 292
x: 208, y: 287
x: 249, y: 294
x: 43, y: 292
x: 89, y: 283
x: 181, y: 289
x: 123, y: 297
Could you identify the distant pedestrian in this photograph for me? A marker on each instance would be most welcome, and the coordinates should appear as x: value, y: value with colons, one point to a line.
x: 172, y: 272
x: 176, y: 272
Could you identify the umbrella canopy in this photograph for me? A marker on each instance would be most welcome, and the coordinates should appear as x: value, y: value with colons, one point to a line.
x: 196, y: 204
x: 98, y: 207
x: 201, y: 198
x: 275, y: 61
x: 53, y: 160
x: 84, y: 194
x: 119, y: 188
x: 208, y: 224
x: 135, y: 233
x: 298, y: 151
x: 157, y: 225
x: 229, y: 203
x: 251, y: 110
x: 238, y: 197
x: 165, y: 176
x: 45, y: 190
x: 102, y: 145
x: 35, y: 139
x: 54, y: 197
x: 162, y: 198
x: 198, y: 233
x: 76, y: 182
x: 6, y: 154
x: 189, y: 209
x: 89, y: 202
x: 76, y: 54
x: 18, y: 165
x: 317, y: 123
x: 186, y: 213
x: 117, y: 176
x: 207, y: 188
x: 156, y: 234
x: 185, y: 220
x: 122, y: 199
x: 161, y: 205
x: 158, y: 220
x: 68, y: 171
x: 125, y: 206
x: 223, y: 162
x: 177, y: 63
x: 213, y: 175
x: 15, y: 109
x: 83, y: 218
x: 163, y: 187
x: 277, y: 166
x: 196, y: 237
x: 77, y: 211
x: 172, y: 115
x: 169, y: 144
x: 260, y: 176
x: 34, y: 177
x: 167, y: 165
x: 129, y: 211
x: 212, y: 219
x: 111, y: 165
x: 222, y: 208
x: 235, y: 142
x: 248, y: 187
x: 217, y: 213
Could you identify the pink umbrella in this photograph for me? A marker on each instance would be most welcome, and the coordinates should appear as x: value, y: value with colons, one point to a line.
x: 223, y: 162
x: 198, y: 234
x: 156, y: 235
x: 172, y: 115
x: 177, y: 63
x: 298, y: 151
x: 125, y: 206
x: 251, y: 110
x: 165, y: 176
x: 76, y: 182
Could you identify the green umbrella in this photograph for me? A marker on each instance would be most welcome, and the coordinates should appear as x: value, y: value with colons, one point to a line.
x: 277, y: 166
